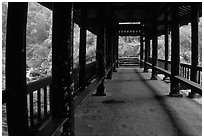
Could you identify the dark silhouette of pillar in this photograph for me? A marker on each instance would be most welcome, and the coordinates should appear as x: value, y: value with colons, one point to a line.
x: 147, y: 50
x: 109, y: 46
x: 194, y: 44
x: 82, y: 49
x: 100, y: 51
x: 141, y: 51
x: 175, y: 50
x: 17, y: 115
x: 114, y: 49
x: 166, y: 43
x: 154, y: 51
x: 62, y: 99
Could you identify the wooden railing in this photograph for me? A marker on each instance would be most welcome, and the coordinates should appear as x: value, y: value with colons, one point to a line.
x: 184, y: 76
x: 128, y: 61
x: 185, y: 69
x: 38, y: 96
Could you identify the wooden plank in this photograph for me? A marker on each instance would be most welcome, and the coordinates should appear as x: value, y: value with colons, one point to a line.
x: 86, y: 93
x: 51, y: 127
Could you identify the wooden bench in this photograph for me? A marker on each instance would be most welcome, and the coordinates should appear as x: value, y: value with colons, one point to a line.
x: 53, y: 125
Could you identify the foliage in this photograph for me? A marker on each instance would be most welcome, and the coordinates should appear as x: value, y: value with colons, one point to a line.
x: 39, y: 42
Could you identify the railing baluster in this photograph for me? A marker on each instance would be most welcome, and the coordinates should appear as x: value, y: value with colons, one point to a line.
x: 45, y: 100
x: 31, y: 110
x: 39, y: 103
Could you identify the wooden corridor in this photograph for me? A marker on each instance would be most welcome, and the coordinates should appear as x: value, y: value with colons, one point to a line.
x: 137, y: 105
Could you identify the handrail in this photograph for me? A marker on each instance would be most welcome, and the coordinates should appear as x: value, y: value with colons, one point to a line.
x: 181, y: 79
x: 41, y: 87
x: 185, y: 69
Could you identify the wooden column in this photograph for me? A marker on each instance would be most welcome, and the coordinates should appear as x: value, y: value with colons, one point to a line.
x: 17, y: 115
x: 114, y: 48
x: 154, y: 51
x: 62, y: 99
x: 166, y: 42
x: 147, y: 50
x: 82, y: 48
x: 109, y: 32
x: 100, y: 50
x: 194, y: 44
x: 141, y: 51
x: 175, y: 50
x: 116, y: 39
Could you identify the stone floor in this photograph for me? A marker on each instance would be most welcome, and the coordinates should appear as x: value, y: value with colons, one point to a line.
x: 136, y: 105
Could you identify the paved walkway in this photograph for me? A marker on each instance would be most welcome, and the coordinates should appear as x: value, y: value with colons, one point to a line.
x: 136, y: 105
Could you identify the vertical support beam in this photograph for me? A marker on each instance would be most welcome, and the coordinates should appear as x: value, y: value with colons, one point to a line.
x: 141, y: 51
x: 154, y: 51
x: 100, y: 51
x: 16, y: 69
x: 62, y: 104
x: 82, y: 48
x: 114, y: 40
x: 147, y: 50
x: 175, y: 50
x: 109, y: 32
x: 166, y: 42
x: 194, y: 44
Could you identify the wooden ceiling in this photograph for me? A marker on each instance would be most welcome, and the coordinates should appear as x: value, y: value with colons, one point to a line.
x: 132, y: 12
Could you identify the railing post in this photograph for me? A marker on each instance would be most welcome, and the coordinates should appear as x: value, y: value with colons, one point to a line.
x: 147, y: 50
x: 17, y: 115
x: 62, y: 99
x: 154, y: 51
x: 166, y: 43
x: 100, y: 50
x: 175, y: 50
x: 141, y: 51
x: 82, y: 48
x: 194, y: 45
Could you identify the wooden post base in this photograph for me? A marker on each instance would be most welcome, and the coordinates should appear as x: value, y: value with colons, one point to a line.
x: 100, y: 90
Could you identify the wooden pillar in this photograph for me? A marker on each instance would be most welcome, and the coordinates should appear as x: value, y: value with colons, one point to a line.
x: 114, y: 49
x: 166, y: 42
x: 194, y: 44
x: 147, y: 50
x: 175, y: 50
x: 109, y: 32
x: 116, y: 39
x: 82, y: 48
x: 141, y: 51
x: 17, y: 115
x: 154, y: 52
x: 100, y: 51
x: 62, y: 99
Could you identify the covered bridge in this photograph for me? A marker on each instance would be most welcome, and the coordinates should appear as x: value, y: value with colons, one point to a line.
x: 118, y: 94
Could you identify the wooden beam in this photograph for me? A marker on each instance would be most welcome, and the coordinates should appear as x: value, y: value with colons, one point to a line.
x: 141, y: 51
x: 17, y: 114
x: 62, y: 99
x: 100, y: 54
x: 147, y: 50
x: 154, y: 49
x: 194, y: 44
x: 175, y: 50
x: 82, y: 48
x: 166, y: 42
